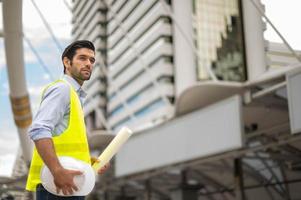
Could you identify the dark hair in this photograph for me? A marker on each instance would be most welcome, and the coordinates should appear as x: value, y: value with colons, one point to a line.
x: 70, y: 50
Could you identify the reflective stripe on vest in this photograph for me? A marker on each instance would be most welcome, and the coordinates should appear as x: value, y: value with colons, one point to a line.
x: 72, y: 142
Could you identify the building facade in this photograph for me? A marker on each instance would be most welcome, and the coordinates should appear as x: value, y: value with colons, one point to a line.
x: 133, y: 81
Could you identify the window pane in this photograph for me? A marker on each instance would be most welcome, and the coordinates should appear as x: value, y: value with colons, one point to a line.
x: 219, y: 39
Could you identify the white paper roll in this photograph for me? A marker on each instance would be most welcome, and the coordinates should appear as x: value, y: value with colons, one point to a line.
x: 114, y: 146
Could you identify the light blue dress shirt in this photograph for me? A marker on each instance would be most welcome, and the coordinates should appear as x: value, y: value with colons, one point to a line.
x: 53, y: 114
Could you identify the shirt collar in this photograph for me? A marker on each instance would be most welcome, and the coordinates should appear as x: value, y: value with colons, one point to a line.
x: 75, y: 85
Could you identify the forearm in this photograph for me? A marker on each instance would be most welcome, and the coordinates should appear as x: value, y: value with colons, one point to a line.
x: 46, y: 150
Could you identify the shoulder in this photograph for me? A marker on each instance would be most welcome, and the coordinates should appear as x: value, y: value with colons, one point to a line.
x: 57, y: 89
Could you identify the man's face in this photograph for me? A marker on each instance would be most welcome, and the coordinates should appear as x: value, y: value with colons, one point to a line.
x: 80, y: 68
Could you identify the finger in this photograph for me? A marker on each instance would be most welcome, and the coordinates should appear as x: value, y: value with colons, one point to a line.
x: 101, y: 171
x: 70, y: 191
x: 58, y: 190
x: 106, y: 166
x: 76, y: 172
x: 74, y: 187
x: 64, y: 191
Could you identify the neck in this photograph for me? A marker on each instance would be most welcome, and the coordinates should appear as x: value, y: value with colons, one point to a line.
x: 79, y: 81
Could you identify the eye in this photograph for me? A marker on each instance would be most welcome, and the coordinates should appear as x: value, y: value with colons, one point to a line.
x: 92, y: 60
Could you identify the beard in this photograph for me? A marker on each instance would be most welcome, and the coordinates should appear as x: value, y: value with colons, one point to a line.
x: 80, y: 74
x: 83, y: 76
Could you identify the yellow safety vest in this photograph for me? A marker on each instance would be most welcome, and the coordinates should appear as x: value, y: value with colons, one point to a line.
x: 72, y: 142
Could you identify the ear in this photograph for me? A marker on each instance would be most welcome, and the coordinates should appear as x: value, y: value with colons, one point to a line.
x: 67, y: 63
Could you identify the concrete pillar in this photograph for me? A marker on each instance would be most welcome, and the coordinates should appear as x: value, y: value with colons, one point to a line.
x: 184, y: 59
x: 13, y: 40
x: 148, y: 190
x: 254, y: 40
x: 238, y: 180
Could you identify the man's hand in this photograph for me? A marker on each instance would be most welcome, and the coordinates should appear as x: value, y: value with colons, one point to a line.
x: 63, y: 180
x: 101, y: 170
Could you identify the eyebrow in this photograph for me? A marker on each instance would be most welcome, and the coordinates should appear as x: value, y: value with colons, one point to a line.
x: 83, y: 55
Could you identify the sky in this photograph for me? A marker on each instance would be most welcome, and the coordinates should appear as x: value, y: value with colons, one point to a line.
x: 284, y: 14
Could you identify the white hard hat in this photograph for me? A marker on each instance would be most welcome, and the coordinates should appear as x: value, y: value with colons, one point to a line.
x: 85, y: 182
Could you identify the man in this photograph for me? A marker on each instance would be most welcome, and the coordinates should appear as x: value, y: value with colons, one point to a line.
x: 58, y: 128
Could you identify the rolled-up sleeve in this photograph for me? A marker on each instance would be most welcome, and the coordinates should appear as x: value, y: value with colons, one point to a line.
x: 54, y: 105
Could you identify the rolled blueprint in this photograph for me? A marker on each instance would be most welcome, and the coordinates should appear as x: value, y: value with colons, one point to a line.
x: 121, y: 137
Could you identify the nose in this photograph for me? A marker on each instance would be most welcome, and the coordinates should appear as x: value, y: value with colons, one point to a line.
x: 89, y: 63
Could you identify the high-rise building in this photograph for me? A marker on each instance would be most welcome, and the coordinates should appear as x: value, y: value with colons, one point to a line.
x: 140, y: 69
x: 89, y: 22
x: 134, y: 44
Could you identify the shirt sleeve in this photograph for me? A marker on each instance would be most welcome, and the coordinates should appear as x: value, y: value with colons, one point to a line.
x: 54, y: 104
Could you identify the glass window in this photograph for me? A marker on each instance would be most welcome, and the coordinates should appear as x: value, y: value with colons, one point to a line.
x: 219, y: 39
